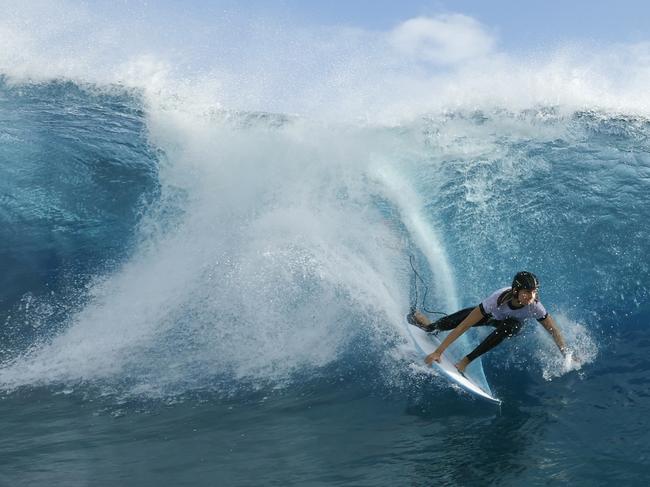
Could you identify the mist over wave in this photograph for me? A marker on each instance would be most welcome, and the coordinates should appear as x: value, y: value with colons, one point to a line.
x: 232, y: 59
x: 254, y: 220
x: 279, y: 246
x: 242, y: 268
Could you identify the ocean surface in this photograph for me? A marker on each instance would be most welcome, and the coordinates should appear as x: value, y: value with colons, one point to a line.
x: 217, y: 297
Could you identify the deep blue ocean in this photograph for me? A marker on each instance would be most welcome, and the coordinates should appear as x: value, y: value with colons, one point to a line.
x: 219, y: 298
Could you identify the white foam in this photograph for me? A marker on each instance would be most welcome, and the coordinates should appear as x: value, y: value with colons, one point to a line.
x: 582, y: 345
x: 274, y: 262
x: 228, y: 60
x: 278, y: 251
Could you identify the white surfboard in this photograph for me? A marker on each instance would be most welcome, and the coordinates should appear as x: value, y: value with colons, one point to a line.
x: 426, y: 343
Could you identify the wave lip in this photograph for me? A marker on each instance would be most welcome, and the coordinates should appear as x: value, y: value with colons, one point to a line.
x: 236, y: 62
x: 296, y: 217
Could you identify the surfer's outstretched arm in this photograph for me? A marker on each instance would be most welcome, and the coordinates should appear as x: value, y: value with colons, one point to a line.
x: 474, y: 317
x: 551, y: 327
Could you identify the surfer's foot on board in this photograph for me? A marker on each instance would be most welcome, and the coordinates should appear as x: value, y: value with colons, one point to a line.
x: 462, y: 365
x: 416, y: 318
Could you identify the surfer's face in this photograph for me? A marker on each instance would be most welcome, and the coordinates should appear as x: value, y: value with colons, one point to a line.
x: 526, y: 296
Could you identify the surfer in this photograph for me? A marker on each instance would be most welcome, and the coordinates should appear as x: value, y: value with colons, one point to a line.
x: 505, y: 310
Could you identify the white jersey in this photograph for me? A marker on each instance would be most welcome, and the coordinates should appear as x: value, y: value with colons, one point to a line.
x: 491, y: 308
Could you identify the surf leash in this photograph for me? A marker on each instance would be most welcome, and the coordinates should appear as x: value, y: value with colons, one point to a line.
x: 414, y: 302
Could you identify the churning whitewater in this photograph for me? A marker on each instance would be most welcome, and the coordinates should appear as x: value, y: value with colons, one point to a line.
x: 206, y: 234
x: 287, y: 240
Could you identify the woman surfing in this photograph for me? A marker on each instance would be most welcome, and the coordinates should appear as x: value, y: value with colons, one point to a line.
x: 505, y: 309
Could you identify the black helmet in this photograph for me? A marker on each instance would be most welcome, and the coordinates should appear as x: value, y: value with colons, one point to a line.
x: 525, y: 280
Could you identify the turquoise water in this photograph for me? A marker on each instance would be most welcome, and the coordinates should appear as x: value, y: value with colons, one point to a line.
x: 217, y: 298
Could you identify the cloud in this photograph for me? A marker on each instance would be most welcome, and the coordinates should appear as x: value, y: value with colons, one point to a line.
x: 445, y: 39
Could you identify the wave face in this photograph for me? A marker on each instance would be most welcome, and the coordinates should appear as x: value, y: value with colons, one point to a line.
x: 166, y: 252
x: 207, y: 215
x: 156, y: 254
x: 77, y: 171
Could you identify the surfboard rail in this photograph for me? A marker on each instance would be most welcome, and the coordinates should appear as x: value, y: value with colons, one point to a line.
x: 426, y: 343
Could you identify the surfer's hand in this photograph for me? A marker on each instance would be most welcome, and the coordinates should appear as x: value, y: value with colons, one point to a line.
x: 433, y: 356
x: 567, y: 352
x: 572, y: 359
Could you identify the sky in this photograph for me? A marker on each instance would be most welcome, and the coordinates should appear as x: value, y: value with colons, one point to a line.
x: 358, y: 56
x: 517, y: 24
